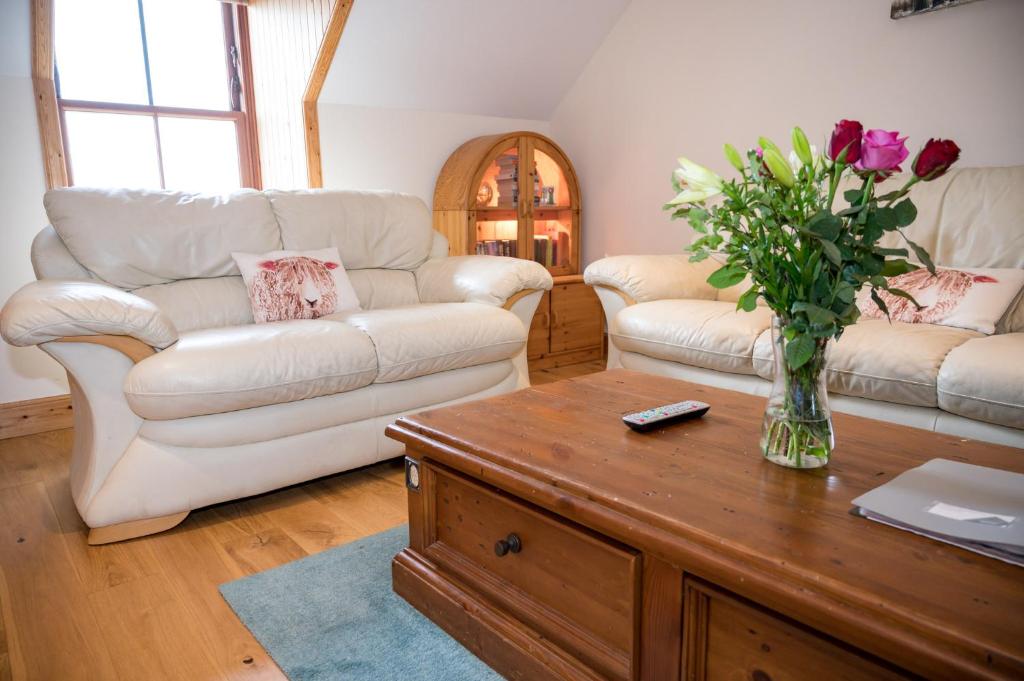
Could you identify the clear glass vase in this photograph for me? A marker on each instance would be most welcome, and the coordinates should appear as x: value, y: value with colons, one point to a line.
x: 797, y: 429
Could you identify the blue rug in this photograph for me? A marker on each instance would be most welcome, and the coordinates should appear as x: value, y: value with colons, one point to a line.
x: 334, y: 616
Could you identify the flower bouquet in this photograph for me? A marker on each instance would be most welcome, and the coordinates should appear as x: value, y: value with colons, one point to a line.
x: 806, y: 253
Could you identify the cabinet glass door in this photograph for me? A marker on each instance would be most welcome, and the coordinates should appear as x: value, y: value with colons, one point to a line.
x: 554, y: 212
x: 497, y: 201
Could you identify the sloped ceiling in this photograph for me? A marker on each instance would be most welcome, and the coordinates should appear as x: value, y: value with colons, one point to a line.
x: 512, y: 58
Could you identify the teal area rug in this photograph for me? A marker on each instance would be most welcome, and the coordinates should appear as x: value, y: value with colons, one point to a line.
x: 333, y: 616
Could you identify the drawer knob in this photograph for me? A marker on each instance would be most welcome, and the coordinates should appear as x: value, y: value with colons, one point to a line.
x: 510, y: 544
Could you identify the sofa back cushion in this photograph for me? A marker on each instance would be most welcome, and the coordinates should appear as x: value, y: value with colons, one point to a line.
x: 194, y: 304
x: 969, y: 217
x: 378, y: 289
x: 137, y: 237
x: 372, y: 230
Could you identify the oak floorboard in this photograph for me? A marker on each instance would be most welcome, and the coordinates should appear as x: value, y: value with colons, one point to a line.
x: 143, y: 615
x: 10, y: 658
x: 195, y: 566
x: 53, y: 622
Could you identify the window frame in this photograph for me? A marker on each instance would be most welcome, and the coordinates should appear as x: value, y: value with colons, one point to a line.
x: 51, y: 106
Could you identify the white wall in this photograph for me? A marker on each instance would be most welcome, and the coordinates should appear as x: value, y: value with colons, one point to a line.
x: 398, y: 149
x: 25, y: 373
x: 681, y: 77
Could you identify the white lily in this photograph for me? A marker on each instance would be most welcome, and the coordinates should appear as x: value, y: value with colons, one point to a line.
x: 796, y: 164
x: 699, y: 183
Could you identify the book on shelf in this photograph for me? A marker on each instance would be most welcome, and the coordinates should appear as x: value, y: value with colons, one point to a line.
x: 551, y: 251
x: 562, y: 248
x: 506, y: 247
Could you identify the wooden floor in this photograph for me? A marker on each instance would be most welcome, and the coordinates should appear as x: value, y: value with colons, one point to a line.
x: 149, y: 609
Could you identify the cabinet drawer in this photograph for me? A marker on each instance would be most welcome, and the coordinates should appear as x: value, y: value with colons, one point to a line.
x: 574, y: 587
x: 728, y: 638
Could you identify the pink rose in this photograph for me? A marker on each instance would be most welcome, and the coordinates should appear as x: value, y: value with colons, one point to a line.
x: 882, y: 151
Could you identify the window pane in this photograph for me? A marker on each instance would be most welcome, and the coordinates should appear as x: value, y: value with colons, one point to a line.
x: 112, y: 150
x: 99, y: 51
x: 199, y: 155
x: 187, y: 58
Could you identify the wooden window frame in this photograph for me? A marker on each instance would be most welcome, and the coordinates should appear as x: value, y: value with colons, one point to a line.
x: 50, y: 108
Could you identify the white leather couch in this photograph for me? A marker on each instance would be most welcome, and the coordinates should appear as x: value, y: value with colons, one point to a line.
x: 181, y: 401
x: 664, y: 318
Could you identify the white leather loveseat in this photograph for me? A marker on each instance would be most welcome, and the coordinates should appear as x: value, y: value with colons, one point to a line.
x: 663, y: 317
x: 181, y: 401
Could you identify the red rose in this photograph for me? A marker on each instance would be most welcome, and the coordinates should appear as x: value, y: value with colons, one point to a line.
x: 935, y: 158
x: 847, y: 135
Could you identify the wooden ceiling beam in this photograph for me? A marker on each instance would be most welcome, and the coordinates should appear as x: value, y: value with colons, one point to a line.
x: 314, y: 86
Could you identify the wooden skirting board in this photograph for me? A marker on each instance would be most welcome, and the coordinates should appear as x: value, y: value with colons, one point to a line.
x: 35, y: 416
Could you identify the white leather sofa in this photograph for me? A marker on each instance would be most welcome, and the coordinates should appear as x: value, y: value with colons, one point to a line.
x: 180, y: 401
x: 663, y: 317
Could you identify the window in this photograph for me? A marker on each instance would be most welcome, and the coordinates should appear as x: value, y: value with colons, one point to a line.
x: 150, y: 94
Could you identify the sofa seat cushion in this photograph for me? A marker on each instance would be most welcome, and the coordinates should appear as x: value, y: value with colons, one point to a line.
x: 704, y: 333
x: 892, y: 362
x: 983, y: 379
x: 416, y: 340
x: 239, y: 367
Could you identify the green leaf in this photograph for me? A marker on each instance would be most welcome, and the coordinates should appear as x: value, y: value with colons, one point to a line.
x: 893, y: 268
x: 905, y: 212
x: 886, y: 218
x: 845, y: 292
x: 748, y: 301
x: 815, y: 314
x: 726, y: 276
x: 921, y: 254
x: 892, y: 251
x: 903, y: 294
x: 831, y: 251
x: 799, y: 350
x: 825, y: 225
x: 871, y: 264
x: 853, y: 196
x: 879, y: 302
x: 873, y: 230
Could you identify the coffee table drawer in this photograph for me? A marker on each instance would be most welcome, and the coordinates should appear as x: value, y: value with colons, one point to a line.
x: 573, y: 586
x: 729, y: 638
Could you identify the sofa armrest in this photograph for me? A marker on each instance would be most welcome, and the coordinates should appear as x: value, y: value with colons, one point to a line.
x: 54, y: 309
x: 643, y: 278
x: 489, y: 279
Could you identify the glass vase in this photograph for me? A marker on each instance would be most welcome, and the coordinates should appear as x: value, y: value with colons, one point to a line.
x: 797, y: 428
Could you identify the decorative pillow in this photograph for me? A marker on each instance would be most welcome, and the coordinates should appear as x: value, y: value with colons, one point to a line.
x: 966, y: 298
x: 296, y: 284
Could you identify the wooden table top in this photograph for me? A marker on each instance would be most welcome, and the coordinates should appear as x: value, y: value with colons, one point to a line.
x: 699, y: 493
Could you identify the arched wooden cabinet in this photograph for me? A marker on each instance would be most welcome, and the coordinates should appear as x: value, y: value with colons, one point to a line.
x: 516, y: 194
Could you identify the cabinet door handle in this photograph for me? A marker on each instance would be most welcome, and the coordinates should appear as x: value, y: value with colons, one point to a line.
x: 510, y: 544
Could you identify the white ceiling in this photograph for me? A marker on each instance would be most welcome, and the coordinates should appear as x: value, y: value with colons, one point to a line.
x: 512, y: 58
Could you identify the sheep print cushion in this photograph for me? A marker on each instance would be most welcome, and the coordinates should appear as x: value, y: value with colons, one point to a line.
x: 967, y: 298
x: 296, y: 284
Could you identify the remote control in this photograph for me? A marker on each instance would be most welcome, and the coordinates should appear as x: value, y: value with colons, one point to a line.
x: 643, y: 421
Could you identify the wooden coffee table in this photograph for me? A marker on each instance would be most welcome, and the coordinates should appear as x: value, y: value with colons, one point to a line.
x: 553, y: 542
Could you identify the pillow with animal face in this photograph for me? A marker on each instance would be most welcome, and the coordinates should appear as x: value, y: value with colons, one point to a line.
x: 296, y: 284
x: 967, y: 298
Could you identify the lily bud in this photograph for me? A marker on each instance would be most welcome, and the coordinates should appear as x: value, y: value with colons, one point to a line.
x: 778, y: 166
x: 733, y: 157
x: 802, y: 147
x: 766, y: 144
